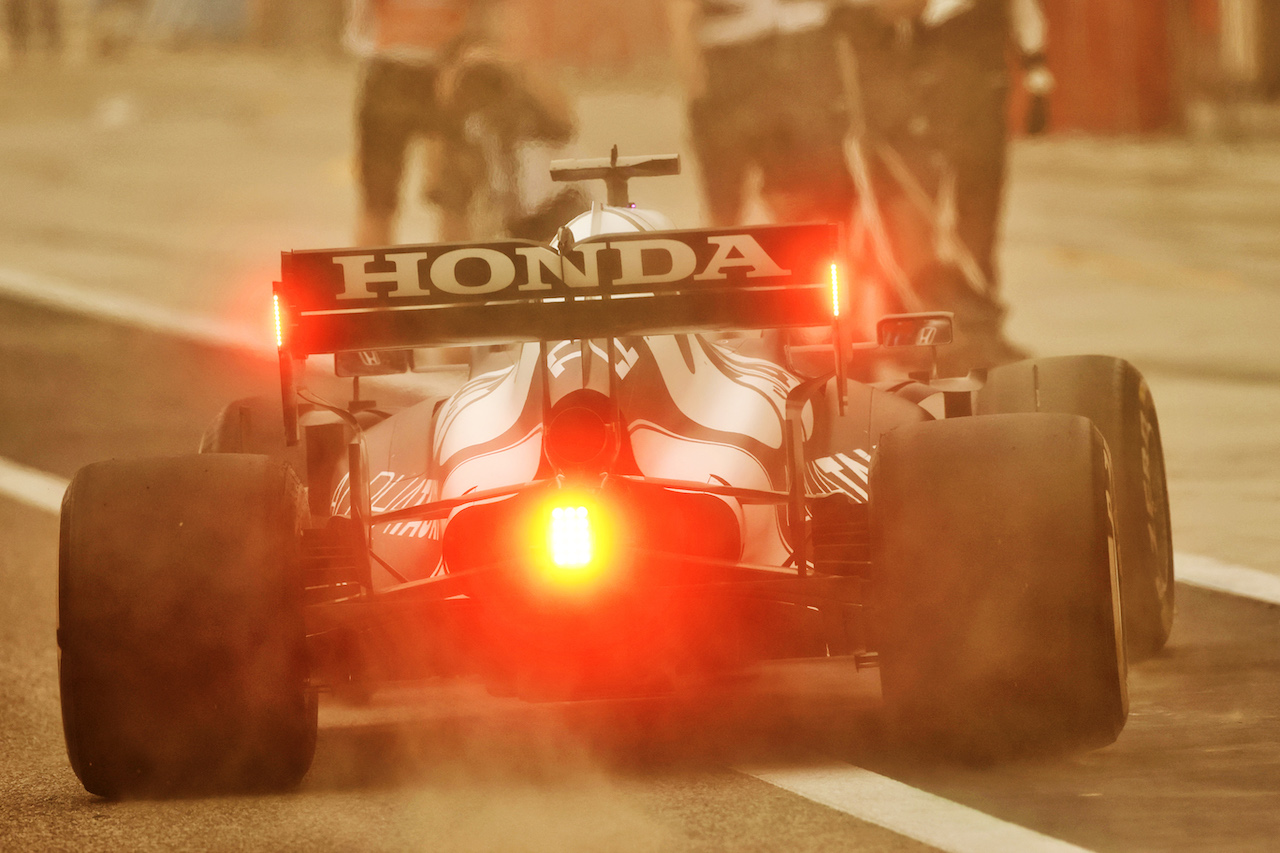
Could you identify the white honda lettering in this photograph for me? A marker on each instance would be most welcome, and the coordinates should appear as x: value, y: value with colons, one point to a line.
x: 501, y: 271
x: 683, y: 261
x: 540, y: 259
x: 749, y: 254
x: 359, y: 283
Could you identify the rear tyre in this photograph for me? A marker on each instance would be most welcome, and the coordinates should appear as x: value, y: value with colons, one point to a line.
x: 256, y: 425
x: 182, y: 650
x: 1111, y: 393
x: 250, y: 425
x: 998, y: 608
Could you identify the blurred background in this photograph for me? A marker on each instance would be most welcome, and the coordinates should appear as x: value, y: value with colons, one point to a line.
x: 1123, y: 67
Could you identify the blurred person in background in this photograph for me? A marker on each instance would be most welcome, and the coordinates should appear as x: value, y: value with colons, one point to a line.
x: 28, y: 19
x: 448, y: 73
x: 965, y: 53
x: 494, y: 172
x: 763, y: 93
x: 403, y: 44
x: 116, y: 24
x: 931, y: 86
x: 765, y: 96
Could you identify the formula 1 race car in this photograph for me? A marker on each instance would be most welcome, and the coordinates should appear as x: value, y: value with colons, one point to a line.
x: 621, y: 495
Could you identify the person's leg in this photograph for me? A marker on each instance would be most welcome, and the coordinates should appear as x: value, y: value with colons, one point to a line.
x: 18, y: 21
x: 803, y: 123
x: 50, y: 13
x: 723, y: 162
x: 386, y: 121
x: 375, y: 227
x: 810, y: 186
x: 723, y: 126
x: 457, y: 183
x: 978, y: 156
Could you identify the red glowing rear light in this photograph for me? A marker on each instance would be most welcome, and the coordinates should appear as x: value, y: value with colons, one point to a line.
x: 577, y: 544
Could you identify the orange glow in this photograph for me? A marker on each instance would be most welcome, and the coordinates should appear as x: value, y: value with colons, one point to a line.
x: 835, y: 290
x: 279, y: 322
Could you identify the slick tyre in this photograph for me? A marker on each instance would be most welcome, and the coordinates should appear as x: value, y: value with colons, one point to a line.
x: 1111, y: 393
x: 182, y: 660
x: 256, y: 425
x: 996, y: 586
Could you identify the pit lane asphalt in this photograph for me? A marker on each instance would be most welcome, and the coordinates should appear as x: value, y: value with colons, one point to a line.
x: 447, y: 767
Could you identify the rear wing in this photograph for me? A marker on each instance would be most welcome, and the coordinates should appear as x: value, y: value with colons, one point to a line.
x: 647, y: 283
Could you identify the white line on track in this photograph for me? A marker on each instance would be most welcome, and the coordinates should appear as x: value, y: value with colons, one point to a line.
x: 139, y: 313
x: 906, y: 810
x: 1209, y: 573
x: 31, y: 487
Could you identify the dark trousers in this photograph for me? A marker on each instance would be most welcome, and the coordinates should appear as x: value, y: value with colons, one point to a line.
x: 25, y: 17
x: 773, y: 104
x: 935, y: 112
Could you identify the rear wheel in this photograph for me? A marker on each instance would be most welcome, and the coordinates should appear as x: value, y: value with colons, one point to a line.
x: 256, y: 425
x: 250, y: 425
x: 182, y: 651
x: 997, y: 587
x: 1111, y: 393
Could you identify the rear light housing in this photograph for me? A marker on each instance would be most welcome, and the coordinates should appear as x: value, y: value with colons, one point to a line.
x: 574, y: 543
x: 569, y: 537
